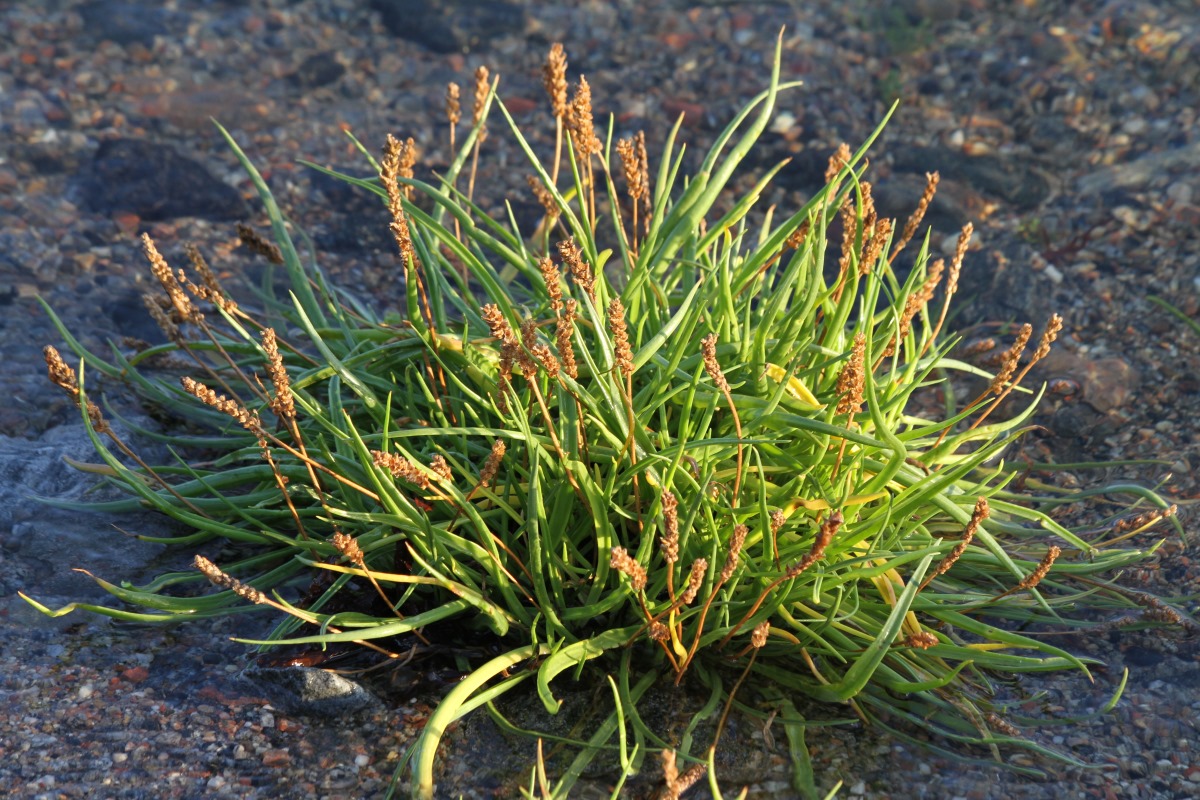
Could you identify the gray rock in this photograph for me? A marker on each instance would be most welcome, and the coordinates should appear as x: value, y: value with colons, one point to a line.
x: 306, y: 690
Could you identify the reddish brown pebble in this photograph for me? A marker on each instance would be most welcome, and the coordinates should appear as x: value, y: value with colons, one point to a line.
x: 136, y: 674
x: 275, y: 758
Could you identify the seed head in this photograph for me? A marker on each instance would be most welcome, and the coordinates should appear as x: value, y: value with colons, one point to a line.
x: 616, y: 323
x: 1010, y: 359
x: 628, y: 566
x: 563, y: 330
x: 497, y: 323
x: 851, y: 380
x: 579, y: 120
x: 554, y: 79
x: 544, y: 197
x: 453, y: 107
x: 283, y: 404
x: 708, y: 349
x: 758, y: 638
x: 695, y: 579
x: 258, y: 244
x: 482, y: 87
x: 922, y: 640
x: 248, y: 419
x: 581, y: 271
x: 552, y: 279
x: 839, y: 159
x: 440, y: 467
x: 348, y: 547
x: 1043, y: 568
x: 736, y: 541
x: 914, y: 221
x: 226, y: 581
x: 492, y: 465
x: 670, y: 538
x: 401, y: 467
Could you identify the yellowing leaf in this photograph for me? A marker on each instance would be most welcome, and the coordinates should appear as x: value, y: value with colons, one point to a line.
x: 795, y: 387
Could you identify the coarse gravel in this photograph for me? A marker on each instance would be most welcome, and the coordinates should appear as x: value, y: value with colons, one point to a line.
x: 1065, y: 131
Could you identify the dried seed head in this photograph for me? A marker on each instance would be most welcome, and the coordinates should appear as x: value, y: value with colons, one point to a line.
x: 545, y: 356
x: 778, y: 519
x: 932, y: 279
x: 348, y: 547
x: 453, y: 107
x: 639, y: 143
x: 211, y: 290
x: 795, y: 239
x: 401, y: 467
x: 851, y: 381
x: 637, y: 174
x: 960, y: 252
x: 441, y: 468
x: 581, y: 271
x: 185, y: 311
x: 912, y: 304
x: 839, y: 159
x: 391, y: 167
x: 621, y: 347
x: 758, y: 638
x: 1053, y: 326
x: 708, y: 350
x: 1145, y: 519
x: 554, y: 79
x: 980, y: 513
x: 497, y: 323
x: 627, y: 565
x: 482, y: 87
x: 248, y: 419
x: 659, y: 632
x: 922, y: 640
x: 545, y: 197
x: 283, y: 404
x: 849, y: 234
x: 914, y: 221
x: 492, y: 465
x: 1043, y: 568
x: 736, y: 541
x: 873, y: 247
x: 579, y: 120
x: 695, y: 579
x: 524, y: 355
x: 258, y: 244
x: 61, y: 374
x: 825, y: 534
x: 563, y: 331
x: 1010, y: 360
x: 158, y: 312
x: 509, y: 351
x: 670, y: 538
x: 553, y: 281
x: 999, y: 723
x: 226, y: 581
x: 978, y: 347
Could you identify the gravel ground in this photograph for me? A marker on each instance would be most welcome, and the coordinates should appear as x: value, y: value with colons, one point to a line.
x: 1066, y: 131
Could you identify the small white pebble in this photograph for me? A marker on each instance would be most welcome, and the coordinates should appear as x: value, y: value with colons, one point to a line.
x: 86, y: 691
x: 361, y: 760
x: 1053, y: 273
x: 267, y: 720
x: 859, y: 788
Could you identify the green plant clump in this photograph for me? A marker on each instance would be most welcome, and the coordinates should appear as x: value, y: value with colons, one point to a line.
x: 671, y: 446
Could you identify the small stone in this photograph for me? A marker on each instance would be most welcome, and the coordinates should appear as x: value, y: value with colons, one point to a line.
x: 275, y: 758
